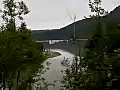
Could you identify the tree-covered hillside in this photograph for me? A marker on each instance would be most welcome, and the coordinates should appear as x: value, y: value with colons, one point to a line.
x: 84, y: 28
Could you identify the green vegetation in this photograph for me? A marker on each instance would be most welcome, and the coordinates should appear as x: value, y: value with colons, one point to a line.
x: 100, y: 67
x: 20, y: 57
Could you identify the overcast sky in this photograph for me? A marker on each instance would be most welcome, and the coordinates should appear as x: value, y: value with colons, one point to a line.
x: 48, y: 14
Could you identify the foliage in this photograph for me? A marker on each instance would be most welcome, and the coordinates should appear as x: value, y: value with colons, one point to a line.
x: 16, y: 51
x: 95, y: 6
x: 11, y: 11
x: 20, y: 57
x: 72, y: 80
x: 103, y: 60
x: 100, y: 67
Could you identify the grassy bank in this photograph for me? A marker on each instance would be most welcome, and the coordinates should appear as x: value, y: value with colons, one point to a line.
x: 30, y: 69
x: 20, y: 58
x: 51, y: 54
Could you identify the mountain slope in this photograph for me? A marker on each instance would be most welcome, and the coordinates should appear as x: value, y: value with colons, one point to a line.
x: 84, y: 28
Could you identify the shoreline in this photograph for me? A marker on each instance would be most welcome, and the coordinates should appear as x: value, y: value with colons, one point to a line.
x: 30, y: 70
x: 51, y: 54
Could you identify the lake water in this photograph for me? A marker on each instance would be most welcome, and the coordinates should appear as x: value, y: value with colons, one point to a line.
x: 55, y: 68
x: 54, y: 75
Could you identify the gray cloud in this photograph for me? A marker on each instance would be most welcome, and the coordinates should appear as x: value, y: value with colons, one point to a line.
x: 52, y: 13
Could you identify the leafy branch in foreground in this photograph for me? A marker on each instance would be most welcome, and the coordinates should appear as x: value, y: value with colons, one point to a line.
x: 95, y: 6
x: 20, y: 57
x: 13, y: 10
x: 100, y: 68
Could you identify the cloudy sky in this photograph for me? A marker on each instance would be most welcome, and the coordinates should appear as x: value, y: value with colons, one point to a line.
x: 49, y: 14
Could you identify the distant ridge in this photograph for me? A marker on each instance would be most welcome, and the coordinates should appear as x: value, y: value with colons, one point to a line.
x: 84, y: 28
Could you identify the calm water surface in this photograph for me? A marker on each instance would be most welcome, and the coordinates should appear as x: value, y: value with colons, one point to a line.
x: 54, y: 73
x: 67, y: 51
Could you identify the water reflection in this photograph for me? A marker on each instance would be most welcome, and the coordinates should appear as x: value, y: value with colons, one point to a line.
x: 67, y: 45
x: 54, y: 74
x: 67, y: 49
x: 57, y: 41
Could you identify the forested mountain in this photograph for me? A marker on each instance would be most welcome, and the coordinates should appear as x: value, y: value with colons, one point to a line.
x: 84, y: 28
